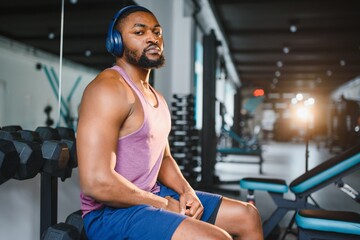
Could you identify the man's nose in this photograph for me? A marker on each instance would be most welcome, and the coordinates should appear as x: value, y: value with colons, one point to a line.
x: 153, y: 38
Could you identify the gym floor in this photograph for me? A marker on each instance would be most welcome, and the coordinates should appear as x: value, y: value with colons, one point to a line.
x: 287, y: 161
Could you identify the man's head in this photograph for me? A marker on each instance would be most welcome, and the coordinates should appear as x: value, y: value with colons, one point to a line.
x: 136, y: 34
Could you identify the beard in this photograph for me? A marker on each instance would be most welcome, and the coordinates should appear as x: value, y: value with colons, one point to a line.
x: 143, y: 61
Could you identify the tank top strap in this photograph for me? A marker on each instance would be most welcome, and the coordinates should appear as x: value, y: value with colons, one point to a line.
x: 130, y: 83
x: 137, y: 90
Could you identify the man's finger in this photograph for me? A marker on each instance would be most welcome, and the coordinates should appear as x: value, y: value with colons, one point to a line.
x: 198, y: 211
x: 194, y: 208
x: 183, y: 208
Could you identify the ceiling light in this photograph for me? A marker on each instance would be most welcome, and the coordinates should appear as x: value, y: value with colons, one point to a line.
x: 87, y: 53
x: 310, y: 101
x: 73, y: 1
x: 342, y: 63
x: 275, y: 81
x: 286, y: 50
x: 51, y: 35
x: 293, y: 28
x: 279, y: 64
x: 277, y: 73
x: 329, y: 73
x: 299, y: 97
x: 318, y: 80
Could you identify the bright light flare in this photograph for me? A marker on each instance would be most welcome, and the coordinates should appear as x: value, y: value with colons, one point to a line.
x: 303, y: 113
x: 309, y: 102
x: 299, y: 97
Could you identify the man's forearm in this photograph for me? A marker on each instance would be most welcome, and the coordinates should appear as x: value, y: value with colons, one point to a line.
x: 171, y: 176
x: 115, y: 191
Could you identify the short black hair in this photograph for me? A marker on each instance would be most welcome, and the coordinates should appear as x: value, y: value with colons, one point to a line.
x: 128, y: 12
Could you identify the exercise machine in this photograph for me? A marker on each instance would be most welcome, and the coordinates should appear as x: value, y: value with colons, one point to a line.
x: 329, y: 172
x: 238, y: 146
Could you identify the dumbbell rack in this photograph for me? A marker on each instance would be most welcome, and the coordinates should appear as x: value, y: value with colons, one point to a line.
x: 48, y: 201
x: 184, y: 138
x: 57, y: 149
x: 49, y: 177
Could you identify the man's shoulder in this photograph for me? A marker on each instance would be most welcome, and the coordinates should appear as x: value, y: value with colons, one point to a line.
x: 108, y: 85
x: 107, y: 80
x: 107, y: 75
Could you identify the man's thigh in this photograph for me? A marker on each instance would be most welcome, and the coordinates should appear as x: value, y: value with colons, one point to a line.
x: 138, y: 222
x: 192, y: 229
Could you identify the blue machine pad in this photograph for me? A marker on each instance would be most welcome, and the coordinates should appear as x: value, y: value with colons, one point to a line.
x: 329, y: 221
x: 266, y: 184
x: 326, y: 170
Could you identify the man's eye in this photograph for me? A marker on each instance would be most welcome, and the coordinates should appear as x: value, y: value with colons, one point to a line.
x: 138, y: 32
x: 157, y: 33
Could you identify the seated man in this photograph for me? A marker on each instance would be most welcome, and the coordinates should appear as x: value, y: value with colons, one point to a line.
x: 131, y: 186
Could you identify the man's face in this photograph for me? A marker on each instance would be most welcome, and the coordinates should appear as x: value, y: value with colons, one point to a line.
x: 142, y: 39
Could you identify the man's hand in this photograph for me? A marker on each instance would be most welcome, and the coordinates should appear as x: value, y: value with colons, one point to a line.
x: 190, y: 205
x: 173, y: 205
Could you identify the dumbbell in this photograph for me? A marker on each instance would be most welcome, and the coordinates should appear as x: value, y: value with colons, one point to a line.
x: 52, y: 134
x: 29, y: 154
x: 29, y: 135
x: 56, y: 156
x: 62, y: 134
x: 72, y: 229
x: 11, y: 128
x: 9, y: 160
x: 52, y: 156
x: 61, y: 231
x: 75, y: 219
x: 67, y: 135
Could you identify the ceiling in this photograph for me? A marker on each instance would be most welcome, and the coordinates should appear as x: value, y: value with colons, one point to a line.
x: 323, y: 53
x: 85, y: 27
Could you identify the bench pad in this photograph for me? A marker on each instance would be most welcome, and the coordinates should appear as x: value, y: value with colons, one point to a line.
x: 329, y: 221
x: 265, y: 184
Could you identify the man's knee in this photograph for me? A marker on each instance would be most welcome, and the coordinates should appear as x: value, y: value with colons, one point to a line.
x: 195, y: 229
x: 252, y: 214
x: 253, y: 219
x: 253, y: 211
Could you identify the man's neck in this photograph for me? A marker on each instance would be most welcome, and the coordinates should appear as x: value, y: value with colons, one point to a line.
x: 137, y: 74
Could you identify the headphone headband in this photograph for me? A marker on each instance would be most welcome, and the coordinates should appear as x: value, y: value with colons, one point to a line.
x: 114, y: 40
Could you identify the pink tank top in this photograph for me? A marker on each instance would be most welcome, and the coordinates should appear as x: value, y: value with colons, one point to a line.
x: 139, y: 154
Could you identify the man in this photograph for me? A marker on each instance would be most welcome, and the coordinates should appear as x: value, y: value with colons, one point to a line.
x: 131, y: 186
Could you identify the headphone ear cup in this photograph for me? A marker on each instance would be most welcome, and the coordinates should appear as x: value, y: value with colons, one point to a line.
x: 110, y: 43
x: 117, y: 42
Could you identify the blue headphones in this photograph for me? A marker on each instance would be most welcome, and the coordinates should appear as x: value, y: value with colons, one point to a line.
x: 114, y: 43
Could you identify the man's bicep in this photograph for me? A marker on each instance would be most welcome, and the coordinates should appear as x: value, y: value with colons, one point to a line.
x: 97, y: 137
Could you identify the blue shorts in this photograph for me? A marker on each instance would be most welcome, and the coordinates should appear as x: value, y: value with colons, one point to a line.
x: 143, y: 221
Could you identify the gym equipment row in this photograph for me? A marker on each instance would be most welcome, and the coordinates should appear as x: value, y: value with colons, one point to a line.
x: 184, y: 138
x: 238, y: 146
x: 51, y: 152
x: 312, y: 221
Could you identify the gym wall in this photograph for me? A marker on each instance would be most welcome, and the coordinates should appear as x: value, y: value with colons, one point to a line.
x: 30, y: 79
x: 176, y: 75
